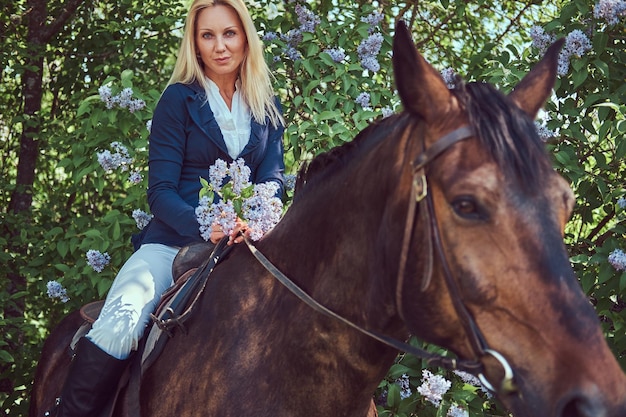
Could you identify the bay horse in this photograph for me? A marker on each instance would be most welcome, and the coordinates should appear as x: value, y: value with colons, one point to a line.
x: 444, y: 221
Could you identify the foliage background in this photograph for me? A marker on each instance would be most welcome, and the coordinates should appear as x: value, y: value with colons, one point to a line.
x: 56, y: 202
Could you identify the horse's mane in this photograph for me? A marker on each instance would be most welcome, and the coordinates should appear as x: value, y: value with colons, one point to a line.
x: 506, y: 132
x: 503, y: 129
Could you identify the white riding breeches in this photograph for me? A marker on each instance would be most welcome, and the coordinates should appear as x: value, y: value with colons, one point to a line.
x: 134, y: 295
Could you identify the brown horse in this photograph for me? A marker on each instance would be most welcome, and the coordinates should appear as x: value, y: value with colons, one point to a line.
x: 444, y: 221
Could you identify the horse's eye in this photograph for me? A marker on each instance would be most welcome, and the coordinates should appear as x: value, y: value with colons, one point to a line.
x: 467, y: 208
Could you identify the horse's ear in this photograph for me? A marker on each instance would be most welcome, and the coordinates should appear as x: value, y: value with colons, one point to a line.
x: 532, y: 92
x: 421, y: 88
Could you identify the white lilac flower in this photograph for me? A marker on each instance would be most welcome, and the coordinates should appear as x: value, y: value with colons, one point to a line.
x: 610, y: 11
x: 473, y: 380
x: 363, y: 100
x: 621, y: 202
x: 617, y: 259
x: 449, y: 77
x: 149, y: 126
x: 543, y: 132
x: 141, y: 218
x: 136, y: 105
x: 433, y: 387
x: 106, y: 95
x: 110, y: 161
x: 272, y: 11
x: 457, y: 411
x: 405, y: 386
x: 97, y: 260
x: 56, y: 290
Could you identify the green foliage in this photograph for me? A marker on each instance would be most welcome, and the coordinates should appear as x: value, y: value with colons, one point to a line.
x: 78, y: 206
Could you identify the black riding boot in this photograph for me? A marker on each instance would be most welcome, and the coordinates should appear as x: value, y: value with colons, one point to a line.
x: 91, y: 381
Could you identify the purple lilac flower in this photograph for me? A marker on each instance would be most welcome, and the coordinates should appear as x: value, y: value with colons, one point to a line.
x: 149, y: 126
x: 270, y: 36
x: 373, y: 19
x: 97, y: 260
x: 56, y: 290
x: 290, y: 181
x: 610, y: 11
x: 449, y: 77
x: 363, y: 100
x: 141, y: 218
x: 263, y: 209
x: 540, y: 39
x: 405, y: 386
x: 387, y: 111
x: 336, y: 54
x: 617, y: 259
x: 577, y: 43
x: 135, y: 177
x: 368, y: 51
x: 240, y: 175
x: 307, y: 19
x: 433, y: 387
x: 217, y: 174
x: 621, y: 202
x: 106, y: 96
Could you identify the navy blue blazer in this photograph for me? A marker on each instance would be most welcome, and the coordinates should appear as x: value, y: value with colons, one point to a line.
x: 185, y: 140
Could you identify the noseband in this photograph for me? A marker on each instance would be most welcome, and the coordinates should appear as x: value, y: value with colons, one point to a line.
x: 420, y: 196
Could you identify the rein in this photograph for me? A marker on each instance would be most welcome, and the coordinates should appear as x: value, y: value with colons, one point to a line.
x: 419, y: 194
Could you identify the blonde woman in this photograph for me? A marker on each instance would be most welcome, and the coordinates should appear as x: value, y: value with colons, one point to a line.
x: 219, y: 104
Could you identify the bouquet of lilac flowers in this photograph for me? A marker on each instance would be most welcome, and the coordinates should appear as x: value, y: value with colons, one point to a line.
x: 255, y: 204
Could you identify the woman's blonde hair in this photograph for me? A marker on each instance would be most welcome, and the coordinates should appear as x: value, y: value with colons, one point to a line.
x: 256, y: 79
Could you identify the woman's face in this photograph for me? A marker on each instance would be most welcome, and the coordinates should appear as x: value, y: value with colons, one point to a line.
x: 221, y: 42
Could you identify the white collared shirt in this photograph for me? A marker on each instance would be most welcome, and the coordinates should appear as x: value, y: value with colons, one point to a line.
x: 235, y: 122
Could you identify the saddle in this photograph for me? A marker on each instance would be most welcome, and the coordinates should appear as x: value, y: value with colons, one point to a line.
x: 191, y: 269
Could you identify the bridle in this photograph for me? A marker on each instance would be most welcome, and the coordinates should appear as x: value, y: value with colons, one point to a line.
x: 421, y: 197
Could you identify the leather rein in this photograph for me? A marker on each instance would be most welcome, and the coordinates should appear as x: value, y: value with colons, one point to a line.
x: 420, y: 197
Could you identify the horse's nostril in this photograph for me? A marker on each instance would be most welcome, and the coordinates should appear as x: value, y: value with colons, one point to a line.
x: 581, y: 406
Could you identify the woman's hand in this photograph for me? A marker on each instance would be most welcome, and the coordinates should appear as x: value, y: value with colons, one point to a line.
x: 235, y: 236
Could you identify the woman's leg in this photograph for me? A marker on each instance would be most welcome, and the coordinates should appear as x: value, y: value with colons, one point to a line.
x: 100, y: 357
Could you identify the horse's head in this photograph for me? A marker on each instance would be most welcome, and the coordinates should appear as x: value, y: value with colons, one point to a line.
x: 497, y: 213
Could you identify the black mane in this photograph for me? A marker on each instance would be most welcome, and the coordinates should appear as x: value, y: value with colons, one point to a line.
x: 503, y: 129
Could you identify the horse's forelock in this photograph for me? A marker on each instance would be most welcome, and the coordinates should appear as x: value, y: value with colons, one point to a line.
x: 506, y: 132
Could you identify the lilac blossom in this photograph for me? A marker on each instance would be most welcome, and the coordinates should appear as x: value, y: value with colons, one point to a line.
x: 544, y: 133
x: 270, y: 36
x: 576, y: 43
x: 363, y: 100
x: 263, y: 209
x: 456, y: 410
x: 433, y: 387
x: 610, y: 11
x: 368, y: 51
x: 307, y: 19
x: 336, y: 54
x: 135, y: 177
x: 141, y: 218
x: 387, y: 111
x: 97, y: 260
x: 540, y: 39
x: 449, y: 77
x: 405, y: 387
x: 617, y: 259
x: 373, y: 19
x: 621, y: 202
x: 290, y: 181
x: 473, y: 380
x: 56, y: 290
x: 123, y: 100
x: 119, y: 158
x: 149, y: 126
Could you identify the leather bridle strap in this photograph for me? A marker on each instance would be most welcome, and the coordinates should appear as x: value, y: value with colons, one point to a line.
x: 432, y: 359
